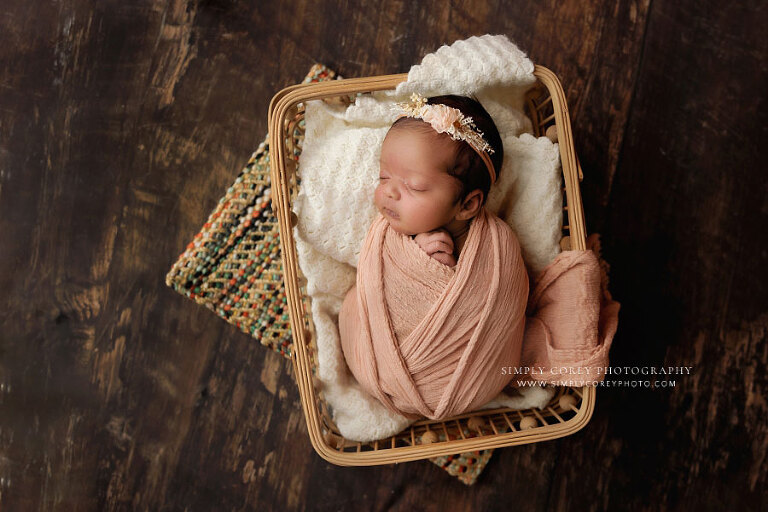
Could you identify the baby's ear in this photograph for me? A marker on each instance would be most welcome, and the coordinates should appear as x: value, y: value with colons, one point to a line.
x: 471, y: 205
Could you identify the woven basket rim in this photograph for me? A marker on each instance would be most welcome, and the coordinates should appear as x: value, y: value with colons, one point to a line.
x: 284, y: 106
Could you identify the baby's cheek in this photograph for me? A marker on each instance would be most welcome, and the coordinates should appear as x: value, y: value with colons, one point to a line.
x: 424, y: 209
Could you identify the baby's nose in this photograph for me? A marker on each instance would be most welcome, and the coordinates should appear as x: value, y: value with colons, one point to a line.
x: 392, y: 190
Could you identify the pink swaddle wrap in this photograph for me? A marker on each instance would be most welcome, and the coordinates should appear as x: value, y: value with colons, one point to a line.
x: 428, y: 340
x: 571, y: 321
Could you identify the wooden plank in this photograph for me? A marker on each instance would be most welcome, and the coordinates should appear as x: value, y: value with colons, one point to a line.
x: 686, y: 239
x: 122, y: 124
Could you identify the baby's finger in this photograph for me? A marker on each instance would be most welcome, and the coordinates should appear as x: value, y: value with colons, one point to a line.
x: 441, y: 235
x: 434, y: 246
x: 445, y: 258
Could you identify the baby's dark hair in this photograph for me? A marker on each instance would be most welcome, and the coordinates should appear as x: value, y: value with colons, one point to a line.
x: 468, y: 168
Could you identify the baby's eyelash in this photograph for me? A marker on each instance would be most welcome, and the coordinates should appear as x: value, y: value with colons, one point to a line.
x: 409, y: 187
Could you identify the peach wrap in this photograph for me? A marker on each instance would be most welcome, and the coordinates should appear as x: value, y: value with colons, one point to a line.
x: 571, y: 321
x: 428, y: 340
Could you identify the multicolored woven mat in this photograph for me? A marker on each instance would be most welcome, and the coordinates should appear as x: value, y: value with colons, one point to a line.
x: 233, y: 267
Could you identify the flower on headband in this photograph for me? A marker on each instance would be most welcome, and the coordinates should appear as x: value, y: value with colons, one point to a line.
x: 415, y: 107
x: 442, y: 118
x: 445, y: 119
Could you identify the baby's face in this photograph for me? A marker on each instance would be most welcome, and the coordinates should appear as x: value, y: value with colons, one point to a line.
x: 415, y: 193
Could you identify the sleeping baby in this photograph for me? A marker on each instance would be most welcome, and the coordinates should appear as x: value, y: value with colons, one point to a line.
x: 432, y: 183
x: 436, y: 321
x: 439, y: 303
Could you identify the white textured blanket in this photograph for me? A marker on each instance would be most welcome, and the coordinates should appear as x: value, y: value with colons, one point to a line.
x: 339, y: 172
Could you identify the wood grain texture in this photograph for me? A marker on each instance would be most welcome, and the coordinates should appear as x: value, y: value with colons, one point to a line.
x: 122, y: 123
x: 691, y: 263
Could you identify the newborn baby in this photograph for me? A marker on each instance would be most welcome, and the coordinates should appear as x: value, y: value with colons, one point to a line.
x: 438, y: 309
x: 430, y: 185
x: 436, y: 322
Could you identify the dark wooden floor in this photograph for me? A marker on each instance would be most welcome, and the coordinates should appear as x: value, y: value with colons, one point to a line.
x: 122, y: 123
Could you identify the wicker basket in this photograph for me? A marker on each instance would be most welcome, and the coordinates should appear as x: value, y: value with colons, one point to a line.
x: 568, y: 411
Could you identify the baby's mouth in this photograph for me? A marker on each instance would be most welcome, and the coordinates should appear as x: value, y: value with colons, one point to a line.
x: 390, y: 213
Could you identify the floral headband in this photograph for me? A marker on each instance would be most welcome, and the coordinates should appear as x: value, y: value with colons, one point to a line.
x: 445, y: 119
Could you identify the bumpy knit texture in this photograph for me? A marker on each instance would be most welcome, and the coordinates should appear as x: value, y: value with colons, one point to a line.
x: 339, y: 170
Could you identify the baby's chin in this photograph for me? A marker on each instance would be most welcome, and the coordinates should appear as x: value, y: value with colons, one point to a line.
x: 398, y: 225
x: 405, y: 232
x: 399, y: 228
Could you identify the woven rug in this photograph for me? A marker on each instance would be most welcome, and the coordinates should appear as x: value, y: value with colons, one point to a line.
x: 233, y: 267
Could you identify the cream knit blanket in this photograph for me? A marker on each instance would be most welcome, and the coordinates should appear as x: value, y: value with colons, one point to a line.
x: 339, y: 171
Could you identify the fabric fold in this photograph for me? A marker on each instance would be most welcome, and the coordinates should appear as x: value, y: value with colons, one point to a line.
x: 428, y: 340
x: 437, y: 350
x: 572, y: 320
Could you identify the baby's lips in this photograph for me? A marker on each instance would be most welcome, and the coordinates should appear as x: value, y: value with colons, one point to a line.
x: 390, y: 213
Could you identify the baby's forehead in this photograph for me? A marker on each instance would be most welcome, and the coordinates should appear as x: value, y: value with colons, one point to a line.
x: 405, y: 134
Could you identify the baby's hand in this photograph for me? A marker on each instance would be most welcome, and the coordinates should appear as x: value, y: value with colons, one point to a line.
x: 437, y: 244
